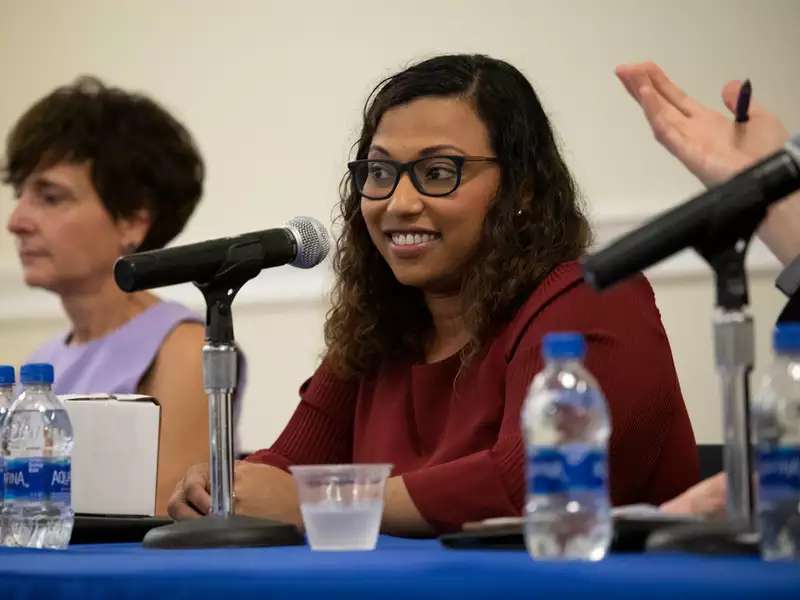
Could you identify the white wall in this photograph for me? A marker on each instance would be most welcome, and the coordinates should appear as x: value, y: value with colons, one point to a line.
x: 273, y: 93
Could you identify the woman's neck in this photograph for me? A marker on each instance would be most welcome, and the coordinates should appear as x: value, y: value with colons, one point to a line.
x: 449, y: 331
x: 98, y: 312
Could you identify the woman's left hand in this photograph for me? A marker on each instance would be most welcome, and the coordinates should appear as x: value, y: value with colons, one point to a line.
x: 706, y: 499
x: 266, y: 491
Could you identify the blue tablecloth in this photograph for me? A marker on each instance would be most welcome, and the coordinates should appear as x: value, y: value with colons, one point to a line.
x: 404, y: 569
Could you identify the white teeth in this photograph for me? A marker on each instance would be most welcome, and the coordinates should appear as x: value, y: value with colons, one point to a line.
x: 412, y: 239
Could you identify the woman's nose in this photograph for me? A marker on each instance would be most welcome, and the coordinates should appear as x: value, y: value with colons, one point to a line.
x: 21, y: 220
x: 405, y: 199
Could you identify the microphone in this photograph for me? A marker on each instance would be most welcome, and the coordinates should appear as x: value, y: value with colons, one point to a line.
x: 302, y: 243
x: 699, y: 220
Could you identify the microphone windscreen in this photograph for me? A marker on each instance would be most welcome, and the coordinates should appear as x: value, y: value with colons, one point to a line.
x: 312, y: 239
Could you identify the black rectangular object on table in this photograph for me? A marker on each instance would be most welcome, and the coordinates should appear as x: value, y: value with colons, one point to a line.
x: 630, y: 533
x: 106, y: 529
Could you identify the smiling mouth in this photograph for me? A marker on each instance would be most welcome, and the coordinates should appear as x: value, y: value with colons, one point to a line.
x: 415, y: 238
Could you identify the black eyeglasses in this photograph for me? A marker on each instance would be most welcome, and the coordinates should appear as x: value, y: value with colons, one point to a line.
x: 377, y: 179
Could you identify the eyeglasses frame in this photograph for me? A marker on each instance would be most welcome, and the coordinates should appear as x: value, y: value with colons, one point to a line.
x: 408, y: 167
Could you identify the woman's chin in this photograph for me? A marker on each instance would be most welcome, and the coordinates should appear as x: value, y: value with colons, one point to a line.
x: 412, y: 277
x: 426, y: 282
x: 36, y: 279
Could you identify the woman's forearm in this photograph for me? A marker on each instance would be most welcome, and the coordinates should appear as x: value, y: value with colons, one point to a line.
x: 400, y: 514
x: 780, y: 231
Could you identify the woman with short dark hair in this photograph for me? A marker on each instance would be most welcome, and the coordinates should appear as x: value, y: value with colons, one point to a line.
x: 99, y: 172
x: 460, y: 233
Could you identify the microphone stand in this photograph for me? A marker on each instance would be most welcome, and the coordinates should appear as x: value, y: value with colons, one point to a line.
x: 724, y: 249
x: 222, y: 528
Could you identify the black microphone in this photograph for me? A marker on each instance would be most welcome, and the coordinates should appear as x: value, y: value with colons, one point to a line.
x: 302, y: 243
x: 698, y: 220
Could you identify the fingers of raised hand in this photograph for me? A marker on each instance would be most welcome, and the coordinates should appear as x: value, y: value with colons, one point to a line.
x: 648, y: 74
x: 671, y: 92
x: 633, y: 77
x: 730, y: 94
x: 665, y: 120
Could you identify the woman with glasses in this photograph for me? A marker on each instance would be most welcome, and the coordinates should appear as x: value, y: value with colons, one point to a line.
x: 460, y: 234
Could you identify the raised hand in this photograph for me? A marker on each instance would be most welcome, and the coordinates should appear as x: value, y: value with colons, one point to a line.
x: 710, y: 144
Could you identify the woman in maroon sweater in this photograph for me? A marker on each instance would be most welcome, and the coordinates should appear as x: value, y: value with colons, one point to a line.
x: 460, y: 231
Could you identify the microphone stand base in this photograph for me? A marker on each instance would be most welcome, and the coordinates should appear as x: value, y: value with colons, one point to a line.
x: 215, y: 531
x: 720, y: 537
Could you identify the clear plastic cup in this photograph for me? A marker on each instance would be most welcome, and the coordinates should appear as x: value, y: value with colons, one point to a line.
x: 341, y: 505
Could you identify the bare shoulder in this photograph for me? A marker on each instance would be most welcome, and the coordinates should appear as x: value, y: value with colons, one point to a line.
x: 184, y: 337
x: 181, y: 352
x: 178, y: 363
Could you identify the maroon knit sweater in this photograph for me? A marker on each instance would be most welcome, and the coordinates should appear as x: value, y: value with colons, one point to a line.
x: 455, y: 437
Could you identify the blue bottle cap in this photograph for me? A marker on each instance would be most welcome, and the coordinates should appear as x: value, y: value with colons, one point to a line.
x: 36, y: 373
x: 6, y: 375
x: 786, y: 338
x: 563, y: 345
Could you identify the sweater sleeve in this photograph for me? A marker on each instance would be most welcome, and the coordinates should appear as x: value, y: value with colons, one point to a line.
x: 652, y: 452
x: 477, y: 486
x: 321, y: 428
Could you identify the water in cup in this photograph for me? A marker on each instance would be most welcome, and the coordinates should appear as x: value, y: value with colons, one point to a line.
x: 328, y: 523
x: 342, y: 505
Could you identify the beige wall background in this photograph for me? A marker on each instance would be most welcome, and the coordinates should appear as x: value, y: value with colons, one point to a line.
x: 273, y: 93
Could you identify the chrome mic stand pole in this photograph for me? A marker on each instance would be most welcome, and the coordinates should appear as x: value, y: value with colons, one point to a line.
x: 734, y: 350
x: 222, y: 528
x: 734, y: 356
x: 725, y: 248
x: 219, y: 381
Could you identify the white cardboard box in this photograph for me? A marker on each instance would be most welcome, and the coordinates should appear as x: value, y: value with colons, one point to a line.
x: 115, y: 457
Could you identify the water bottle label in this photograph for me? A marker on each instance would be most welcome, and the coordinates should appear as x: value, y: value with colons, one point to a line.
x: 38, y: 479
x: 60, y: 476
x: 778, y: 472
x: 25, y: 479
x: 567, y: 468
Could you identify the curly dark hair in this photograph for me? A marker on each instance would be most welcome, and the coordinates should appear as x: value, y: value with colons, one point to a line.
x: 140, y: 156
x: 534, y: 223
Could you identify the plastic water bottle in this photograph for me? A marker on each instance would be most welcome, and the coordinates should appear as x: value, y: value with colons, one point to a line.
x: 6, y: 400
x: 776, y: 435
x: 6, y: 391
x: 37, y: 446
x: 566, y: 427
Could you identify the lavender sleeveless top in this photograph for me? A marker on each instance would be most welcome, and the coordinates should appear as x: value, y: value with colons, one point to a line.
x: 115, y: 363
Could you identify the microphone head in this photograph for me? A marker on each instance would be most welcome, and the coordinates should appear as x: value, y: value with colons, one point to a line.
x: 312, y: 241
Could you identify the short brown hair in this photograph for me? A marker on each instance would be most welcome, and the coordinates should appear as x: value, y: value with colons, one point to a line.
x: 140, y: 156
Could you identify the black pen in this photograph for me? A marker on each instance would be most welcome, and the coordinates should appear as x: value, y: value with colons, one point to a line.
x: 743, y: 102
